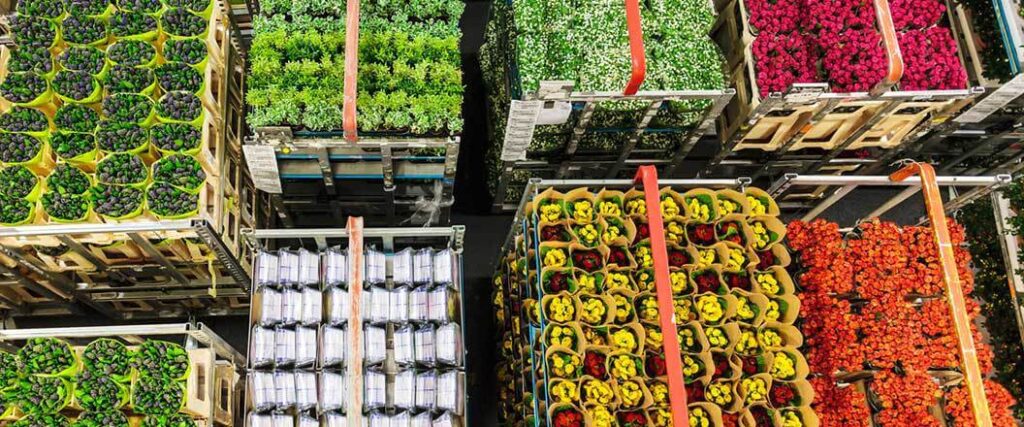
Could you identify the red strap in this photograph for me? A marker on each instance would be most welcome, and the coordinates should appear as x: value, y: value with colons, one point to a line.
x: 648, y: 175
x: 351, y: 70
x: 636, y: 47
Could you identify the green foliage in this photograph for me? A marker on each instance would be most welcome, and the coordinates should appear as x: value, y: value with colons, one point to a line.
x: 990, y: 285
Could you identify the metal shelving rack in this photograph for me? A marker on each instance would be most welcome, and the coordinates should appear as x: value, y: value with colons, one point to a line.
x: 390, y: 177
x: 156, y: 282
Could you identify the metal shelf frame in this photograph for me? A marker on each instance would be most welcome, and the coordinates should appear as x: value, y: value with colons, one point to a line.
x: 153, y: 278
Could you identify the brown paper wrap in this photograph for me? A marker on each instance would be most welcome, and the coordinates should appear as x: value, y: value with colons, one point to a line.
x: 791, y: 336
x: 610, y: 285
x: 578, y: 343
x: 726, y: 248
x: 729, y: 309
x: 645, y: 400
x: 669, y: 193
x: 742, y: 207
x: 624, y: 312
x: 786, y: 286
x: 731, y: 331
x: 799, y: 363
x: 757, y: 302
x: 696, y: 271
x: 580, y: 195
x: 577, y: 233
x: 809, y: 418
x: 545, y: 303
x: 546, y: 247
x: 710, y: 410
x: 616, y: 198
x: 735, y: 402
x: 560, y: 407
x: 741, y: 390
x: 773, y: 225
x: 585, y: 399
x: 594, y: 336
x: 789, y: 309
x: 707, y: 367
x: 638, y: 336
x: 616, y: 354
x: 781, y: 254
x: 700, y: 339
x: 635, y: 209
x: 576, y: 248
x: 609, y: 314
x: 747, y: 418
x: 735, y: 366
x: 547, y: 272
x: 705, y: 197
x: 549, y: 196
x: 599, y: 278
x: 556, y: 350
x: 627, y: 231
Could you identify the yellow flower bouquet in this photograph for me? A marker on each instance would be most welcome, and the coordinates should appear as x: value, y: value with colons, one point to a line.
x: 633, y: 394
x: 579, y: 205
x: 563, y: 363
x: 691, y: 338
x: 647, y: 308
x: 643, y: 279
x: 595, y: 336
x: 600, y: 415
x: 714, y: 309
x: 636, y: 206
x: 750, y: 307
x: 782, y: 309
x: 596, y: 310
x: 615, y: 231
x: 628, y: 338
x: 774, y: 281
x: 643, y: 255
x: 695, y: 367
x: 721, y: 337
x: 705, y: 415
x: 675, y: 232
x: 766, y: 231
x: 760, y: 202
x: 609, y: 204
x: 731, y: 202
x: 661, y: 416
x: 747, y: 343
x: 653, y: 338
x: 623, y: 366
x: 588, y: 234
x: 554, y: 255
x: 564, y: 391
x: 596, y: 392
x: 701, y: 205
x: 680, y: 281
x: 592, y: 283
x: 623, y: 299
x: 560, y: 308
x: 567, y: 336
x: 723, y: 394
x: 618, y: 279
x: 550, y: 206
x: 683, y: 309
x: 755, y: 389
x: 672, y: 205
x: 659, y: 392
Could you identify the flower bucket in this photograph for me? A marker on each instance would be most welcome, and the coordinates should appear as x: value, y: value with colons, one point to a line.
x: 594, y: 391
x: 624, y: 311
x: 752, y: 311
x: 765, y: 232
x: 633, y: 394
x: 773, y: 282
x: 628, y: 338
x: 701, y: 205
x: 761, y: 203
x: 568, y: 336
x: 615, y: 231
x: 550, y: 207
x: 560, y: 308
x: 595, y: 310
x: 580, y: 206
x: 733, y: 229
x: 610, y: 203
x: 531, y: 311
x: 673, y: 205
x: 788, y: 309
x: 571, y: 360
x: 732, y: 202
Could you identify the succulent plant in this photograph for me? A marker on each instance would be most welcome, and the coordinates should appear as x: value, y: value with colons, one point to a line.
x: 46, y: 356
x: 68, y: 179
x: 176, y: 137
x: 76, y: 118
x: 108, y: 357
x: 114, y: 200
x: 69, y: 145
x: 179, y: 106
x: 120, y: 137
x: 132, y: 53
x: 86, y: 7
x: 122, y: 169
x: 50, y: 9
x: 20, y: 119
x: 18, y: 147
x: 23, y: 87
x: 178, y: 76
x: 66, y: 207
x: 76, y: 85
x: 127, y: 108
x: 127, y: 24
x: 97, y: 391
x: 42, y: 420
x: 127, y: 79
x: 156, y: 358
x: 38, y: 394
x: 192, y: 5
x: 182, y: 23
x: 84, y: 30
x: 140, y: 6
x: 32, y: 32
x: 13, y: 211
x: 189, y: 51
x: 179, y: 170
x: 157, y: 396
x: 164, y: 199
x: 83, y: 58
x: 105, y: 417
x: 8, y: 369
x: 17, y: 182
x: 28, y: 58
x: 176, y: 420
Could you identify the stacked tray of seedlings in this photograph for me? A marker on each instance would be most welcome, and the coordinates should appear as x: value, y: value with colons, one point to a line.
x: 835, y: 50
x: 582, y: 343
x: 578, y: 53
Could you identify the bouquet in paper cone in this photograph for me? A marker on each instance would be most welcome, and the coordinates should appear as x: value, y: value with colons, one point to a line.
x: 623, y: 366
x: 157, y: 396
x: 675, y: 232
x: 693, y: 368
x: 557, y: 281
x: 587, y: 260
x: 653, y: 337
x: 97, y: 391
x: 643, y: 231
x: 554, y: 233
x: 754, y: 389
x: 701, y: 234
x: 701, y: 205
x: 564, y: 363
x: 162, y: 359
x: 614, y: 230
x: 36, y: 394
x: 176, y: 137
x: 590, y: 283
x: 182, y: 23
x: 83, y: 30
x: 92, y: 8
x: 707, y: 257
x: 600, y: 416
x: 562, y: 336
x: 83, y: 58
x: 131, y: 53
x: 17, y: 182
x: 76, y: 118
x: 761, y: 203
x: 627, y: 339
x: 680, y: 282
x: 660, y: 416
x: 725, y: 368
x: 718, y: 336
x: 670, y: 205
x: 129, y: 80
x: 783, y: 395
x: 633, y: 394
x: 644, y: 279
x: 737, y: 259
x: 49, y: 9
x: 560, y: 308
x: 636, y: 207
x: 554, y: 256
x: 62, y: 207
x: 122, y: 169
x: 659, y: 392
x: 134, y: 26
x: 31, y: 58
x: 624, y: 313
x: 763, y: 234
x: 190, y: 51
x: 702, y: 416
x: 565, y: 415
x: 739, y: 280
x: 682, y: 308
x: 564, y: 391
x: 643, y: 256
x: 654, y: 363
x: 28, y: 120
x: 42, y: 420
x: 107, y: 418
x: 24, y: 88
x: 581, y: 211
x: 712, y: 309
x: 168, y: 201
x: 116, y: 202
x: 47, y: 356
x: 748, y: 307
x: 594, y: 310
x: 618, y: 256
x: 731, y: 202
x: 128, y: 108
x: 594, y: 364
x: 596, y: 392
x: 72, y: 145
x: 705, y: 281
x: 19, y: 148
x: 747, y: 344
x: 691, y: 338
x: 769, y: 284
x: 29, y: 31
x: 776, y: 310
x: 721, y: 393
x: 15, y: 211
x: 181, y: 171
x: 551, y: 210
x: 179, y: 107
x: 618, y: 280
x: 109, y: 357
x: 176, y: 420
x: 632, y: 419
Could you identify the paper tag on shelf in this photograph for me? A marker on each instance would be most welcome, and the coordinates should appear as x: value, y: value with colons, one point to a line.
x: 556, y: 114
x: 262, y: 162
x: 992, y: 103
x: 522, y: 120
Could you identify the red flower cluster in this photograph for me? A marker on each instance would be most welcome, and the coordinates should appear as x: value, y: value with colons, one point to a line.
x: 568, y: 418
x: 776, y: 16
x: 632, y: 419
x: 783, y: 60
x: 907, y: 14
x: 593, y: 365
x: 859, y: 313
x: 856, y: 61
x: 931, y: 60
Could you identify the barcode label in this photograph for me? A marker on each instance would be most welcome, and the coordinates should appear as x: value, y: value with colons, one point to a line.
x: 992, y: 103
x: 522, y: 120
x: 262, y: 163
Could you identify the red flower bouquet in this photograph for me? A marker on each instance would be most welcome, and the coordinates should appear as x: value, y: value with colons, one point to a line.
x: 783, y: 60
x: 618, y: 256
x: 856, y: 62
x: 707, y: 281
x: 655, y: 365
x: 730, y: 420
x: 916, y: 14
x: 594, y: 365
x: 701, y: 234
x: 643, y: 231
x: 695, y: 392
x: 567, y: 416
x: 557, y: 282
x: 782, y: 395
x: 632, y: 419
x: 931, y: 59
x: 554, y: 233
x: 765, y: 259
x: 677, y: 258
x: 739, y: 280
x: 589, y: 261
x: 776, y: 16
x: 730, y: 231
